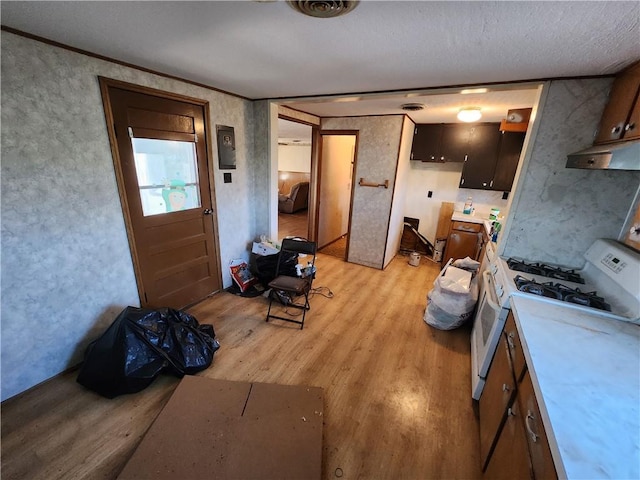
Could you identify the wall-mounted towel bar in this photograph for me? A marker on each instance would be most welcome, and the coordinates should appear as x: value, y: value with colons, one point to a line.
x: 362, y: 183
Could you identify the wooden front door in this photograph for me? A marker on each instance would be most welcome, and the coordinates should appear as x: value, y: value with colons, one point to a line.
x: 160, y: 151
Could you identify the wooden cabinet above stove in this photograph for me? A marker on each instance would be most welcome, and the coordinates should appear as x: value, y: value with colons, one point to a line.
x: 621, y: 117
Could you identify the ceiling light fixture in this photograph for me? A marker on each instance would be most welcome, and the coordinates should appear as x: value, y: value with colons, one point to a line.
x: 468, y: 91
x: 323, y: 8
x: 469, y: 114
x: 412, y: 107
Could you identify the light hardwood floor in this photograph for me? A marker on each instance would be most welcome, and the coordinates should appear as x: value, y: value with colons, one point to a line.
x: 397, y: 392
x: 293, y: 224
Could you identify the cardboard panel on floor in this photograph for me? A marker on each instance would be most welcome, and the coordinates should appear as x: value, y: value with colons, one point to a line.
x: 222, y: 429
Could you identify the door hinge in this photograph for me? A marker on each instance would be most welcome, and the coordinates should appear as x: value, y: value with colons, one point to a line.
x: 195, y: 137
x: 130, y: 130
x: 491, y: 184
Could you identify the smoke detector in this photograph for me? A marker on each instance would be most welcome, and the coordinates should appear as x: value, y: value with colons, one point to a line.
x: 323, y: 8
x: 412, y: 107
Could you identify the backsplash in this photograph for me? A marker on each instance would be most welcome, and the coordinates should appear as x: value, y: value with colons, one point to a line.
x: 558, y: 212
x: 483, y: 201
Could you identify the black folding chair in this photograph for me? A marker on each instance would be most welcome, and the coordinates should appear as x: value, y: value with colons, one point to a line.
x: 284, y: 288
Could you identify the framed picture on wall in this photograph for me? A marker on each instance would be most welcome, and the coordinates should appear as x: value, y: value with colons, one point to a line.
x: 226, y: 147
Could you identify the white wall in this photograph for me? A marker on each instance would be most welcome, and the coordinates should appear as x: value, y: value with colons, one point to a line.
x: 396, y: 217
x: 443, y: 180
x: 66, y: 265
x: 294, y: 158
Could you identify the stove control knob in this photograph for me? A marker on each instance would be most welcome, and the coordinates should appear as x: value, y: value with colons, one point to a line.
x: 499, y: 290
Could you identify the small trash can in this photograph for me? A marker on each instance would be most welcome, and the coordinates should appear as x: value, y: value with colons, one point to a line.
x: 438, y: 251
x: 414, y: 259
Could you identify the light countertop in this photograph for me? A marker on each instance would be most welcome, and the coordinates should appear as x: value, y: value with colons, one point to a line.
x: 458, y: 216
x: 585, y: 371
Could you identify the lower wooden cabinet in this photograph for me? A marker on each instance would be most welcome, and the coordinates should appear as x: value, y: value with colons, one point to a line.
x: 539, y: 450
x: 496, y: 398
x: 465, y: 240
x: 513, y: 442
x: 510, y: 459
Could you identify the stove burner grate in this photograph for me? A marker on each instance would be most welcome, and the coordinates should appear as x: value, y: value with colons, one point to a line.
x: 543, y: 270
x: 559, y: 291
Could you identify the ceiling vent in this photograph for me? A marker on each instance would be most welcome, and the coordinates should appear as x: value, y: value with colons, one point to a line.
x: 323, y: 8
x: 412, y: 107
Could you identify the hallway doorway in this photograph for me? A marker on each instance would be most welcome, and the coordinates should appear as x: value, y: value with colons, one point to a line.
x: 294, y: 178
x: 335, y: 191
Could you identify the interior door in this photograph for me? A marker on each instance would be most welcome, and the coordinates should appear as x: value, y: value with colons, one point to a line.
x: 161, y: 158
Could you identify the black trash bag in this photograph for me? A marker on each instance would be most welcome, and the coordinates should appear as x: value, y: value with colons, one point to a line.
x: 140, y: 344
x: 265, y: 266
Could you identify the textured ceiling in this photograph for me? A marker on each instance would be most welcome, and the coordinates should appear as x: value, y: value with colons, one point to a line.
x: 265, y: 49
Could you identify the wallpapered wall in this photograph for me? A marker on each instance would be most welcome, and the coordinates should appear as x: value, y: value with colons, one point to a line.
x: 66, y: 266
x: 377, y: 157
x: 559, y: 211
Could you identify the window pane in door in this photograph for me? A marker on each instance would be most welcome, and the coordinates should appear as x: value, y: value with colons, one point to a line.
x: 167, y: 172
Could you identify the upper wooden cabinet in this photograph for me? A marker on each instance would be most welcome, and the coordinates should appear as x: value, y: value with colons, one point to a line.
x: 480, y: 164
x: 440, y: 142
x: 426, y: 142
x: 508, y: 159
x: 494, y: 162
x: 621, y: 117
x: 490, y: 156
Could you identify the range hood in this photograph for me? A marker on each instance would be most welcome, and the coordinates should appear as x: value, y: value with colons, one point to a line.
x: 615, y: 156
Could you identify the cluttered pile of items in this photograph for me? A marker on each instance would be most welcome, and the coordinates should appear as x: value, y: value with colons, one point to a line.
x: 453, y: 298
x: 252, y: 279
x: 282, y: 273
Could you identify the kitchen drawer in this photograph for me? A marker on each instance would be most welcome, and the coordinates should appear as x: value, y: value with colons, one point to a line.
x: 515, y: 347
x: 467, y: 226
x: 497, y: 395
x: 541, y: 459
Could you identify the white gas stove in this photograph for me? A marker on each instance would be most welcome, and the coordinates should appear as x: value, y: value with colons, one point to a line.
x: 608, y: 285
x: 609, y: 282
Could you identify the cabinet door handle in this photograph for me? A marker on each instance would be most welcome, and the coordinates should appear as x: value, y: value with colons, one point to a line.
x: 615, y: 130
x: 534, y: 436
x: 510, y: 336
x: 505, y: 387
x: 510, y: 412
x: 411, y: 155
x: 465, y: 157
x: 484, y: 184
x: 629, y: 126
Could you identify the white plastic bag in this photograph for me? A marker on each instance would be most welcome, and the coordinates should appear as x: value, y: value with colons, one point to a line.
x: 453, y: 298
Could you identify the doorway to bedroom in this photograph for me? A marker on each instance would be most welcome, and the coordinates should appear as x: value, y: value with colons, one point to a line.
x: 294, y: 177
x: 335, y: 191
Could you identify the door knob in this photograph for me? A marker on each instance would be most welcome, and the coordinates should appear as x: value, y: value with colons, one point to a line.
x: 208, y: 211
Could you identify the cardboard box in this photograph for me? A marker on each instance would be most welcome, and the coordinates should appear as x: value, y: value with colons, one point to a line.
x: 222, y: 429
x: 264, y: 249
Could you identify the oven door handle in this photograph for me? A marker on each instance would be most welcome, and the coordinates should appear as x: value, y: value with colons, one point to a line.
x: 489, y: 290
